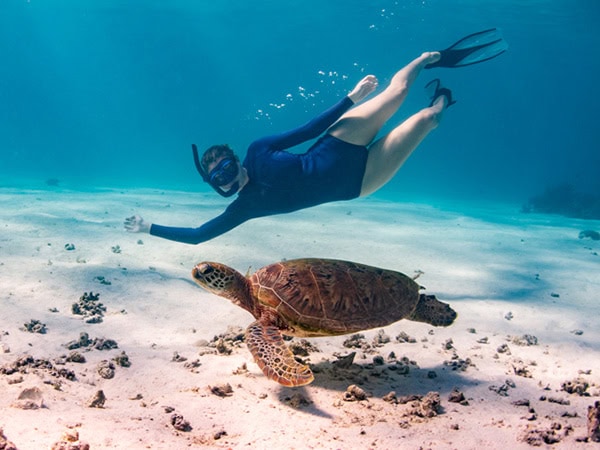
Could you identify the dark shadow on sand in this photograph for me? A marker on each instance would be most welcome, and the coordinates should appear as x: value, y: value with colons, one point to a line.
x: 377, y: 382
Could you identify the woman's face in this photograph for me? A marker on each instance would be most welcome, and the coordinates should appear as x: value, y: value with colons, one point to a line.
x: 240, y: 173
x: 223, y: 171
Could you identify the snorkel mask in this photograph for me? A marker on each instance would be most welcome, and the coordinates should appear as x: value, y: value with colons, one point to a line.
x: 221, y: 175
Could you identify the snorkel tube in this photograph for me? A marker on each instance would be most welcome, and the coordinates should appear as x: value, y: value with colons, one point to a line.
x: 232, y: 191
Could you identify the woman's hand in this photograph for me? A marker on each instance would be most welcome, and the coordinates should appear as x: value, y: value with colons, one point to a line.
x: 135, y: 224
x: 364, y: 87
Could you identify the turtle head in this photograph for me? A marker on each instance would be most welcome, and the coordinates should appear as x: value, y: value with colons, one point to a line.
x: 222, y: 280
x: 432, y: 311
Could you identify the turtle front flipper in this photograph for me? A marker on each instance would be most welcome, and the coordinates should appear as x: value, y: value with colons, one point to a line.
x: 275, y: 359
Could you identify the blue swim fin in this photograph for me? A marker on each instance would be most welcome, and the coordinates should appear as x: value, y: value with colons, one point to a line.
x: 472, y: 49
x: 435, y: 89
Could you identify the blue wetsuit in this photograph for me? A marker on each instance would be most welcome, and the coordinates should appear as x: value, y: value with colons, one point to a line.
x: 282, y: 182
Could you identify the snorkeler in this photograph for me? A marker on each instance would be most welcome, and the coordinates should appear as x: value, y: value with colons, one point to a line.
x: 345, y: 163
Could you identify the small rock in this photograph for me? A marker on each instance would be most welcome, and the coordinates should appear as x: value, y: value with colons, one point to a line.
x: 380, y: 339
x: 390, y: 397
x: 178, y: 358
x: 525, y: 340
x: 401, y: 368
x: 590, y: 234
x: 502, y: 390
x: 192, y: 365
x: 122, y: 360
x: 89, y: 307
x: 222, y: 390
x: 354, y: 393
x: 426, y: 407
x: 102, y: 280
x: 30, y: 398
x: 62, y: 445
x: 345, y: 362
x: 459, y: 364
x: 557, y: 400
x: 98, y: 400
x: 538, y: 437
x: 403, y: 337
x: 355, y: 341
x: 179, y: 423
x: 219, y: 434
x: 70, y: 436
x: 302, y: 348
x: 5, y: 444
x: 522, y: 402
x: 577, y: 386
x: 521, y: 370
x: 105, y: 344
x: 106, y: 369
x: 457, y: 396
x: 35, y: 326
x: 503, y: 349
x: 593, y: 422
x: 243, y: 369
x: 378, y: 360
x: 76, y: 357
x: 448, y: 345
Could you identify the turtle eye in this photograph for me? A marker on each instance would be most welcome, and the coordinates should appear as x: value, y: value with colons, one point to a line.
x: 206, y: 269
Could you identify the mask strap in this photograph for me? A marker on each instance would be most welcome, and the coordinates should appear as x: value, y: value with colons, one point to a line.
x: 198, y: 164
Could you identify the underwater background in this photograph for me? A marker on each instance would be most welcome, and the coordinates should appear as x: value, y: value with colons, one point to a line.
x: 110, y: 94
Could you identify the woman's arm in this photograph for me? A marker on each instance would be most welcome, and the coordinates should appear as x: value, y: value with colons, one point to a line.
x: 319, y: 124
x: 211, y: 229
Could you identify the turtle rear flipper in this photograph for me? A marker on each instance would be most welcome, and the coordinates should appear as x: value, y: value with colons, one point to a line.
x: 430, y: 310
x: 275, y: 359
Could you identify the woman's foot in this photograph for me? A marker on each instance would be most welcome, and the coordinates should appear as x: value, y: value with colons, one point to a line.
x: 431, y: 57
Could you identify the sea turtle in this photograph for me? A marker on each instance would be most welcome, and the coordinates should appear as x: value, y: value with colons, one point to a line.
x: 316, y: 297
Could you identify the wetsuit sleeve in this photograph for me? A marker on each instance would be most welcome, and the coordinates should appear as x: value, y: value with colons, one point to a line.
x: 211, y: 229
x: 309, y: 130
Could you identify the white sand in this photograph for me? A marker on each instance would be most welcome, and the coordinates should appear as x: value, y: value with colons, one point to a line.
x: 485, y: 263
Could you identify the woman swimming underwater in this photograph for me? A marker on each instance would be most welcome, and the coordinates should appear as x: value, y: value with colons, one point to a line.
x: 346, y: 162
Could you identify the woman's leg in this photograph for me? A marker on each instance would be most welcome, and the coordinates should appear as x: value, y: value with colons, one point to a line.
x: 387, y: 154
x: 361, y: 124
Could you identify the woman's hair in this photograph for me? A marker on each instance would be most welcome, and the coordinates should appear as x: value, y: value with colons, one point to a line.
x: 215, y: 153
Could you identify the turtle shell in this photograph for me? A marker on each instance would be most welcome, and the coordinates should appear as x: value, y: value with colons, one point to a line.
x: 319, y: 297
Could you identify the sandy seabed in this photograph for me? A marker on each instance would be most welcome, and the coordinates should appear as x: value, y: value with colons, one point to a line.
x: 519, y: 368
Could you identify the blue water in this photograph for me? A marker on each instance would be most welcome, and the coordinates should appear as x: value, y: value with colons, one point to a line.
x: 112, y: 93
